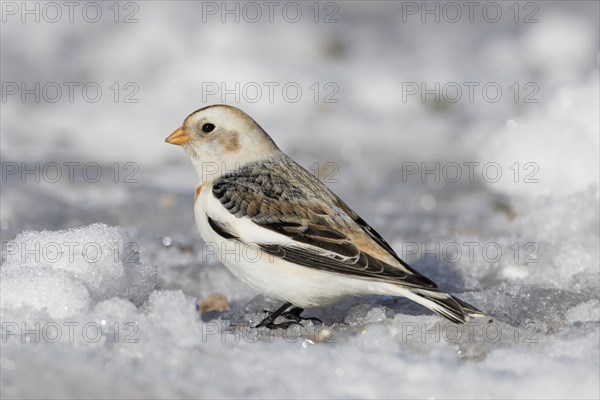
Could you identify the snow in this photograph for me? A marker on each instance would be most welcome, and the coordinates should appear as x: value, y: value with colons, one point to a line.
x: 101, y: 280
x: 100, y: 259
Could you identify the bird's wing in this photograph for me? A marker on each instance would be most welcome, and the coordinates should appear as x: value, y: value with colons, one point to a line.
x: 283, y: 209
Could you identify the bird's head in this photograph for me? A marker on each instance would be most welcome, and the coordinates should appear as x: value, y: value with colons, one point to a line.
x: 220, y: 139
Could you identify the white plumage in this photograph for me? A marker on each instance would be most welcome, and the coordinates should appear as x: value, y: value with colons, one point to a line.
x: 284, y: 233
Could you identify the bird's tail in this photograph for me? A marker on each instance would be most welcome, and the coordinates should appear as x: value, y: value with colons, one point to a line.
x: 444, y: 304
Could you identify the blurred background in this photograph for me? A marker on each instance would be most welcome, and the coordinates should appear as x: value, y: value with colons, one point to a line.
x: 435, y: 121
x: 366, y: 86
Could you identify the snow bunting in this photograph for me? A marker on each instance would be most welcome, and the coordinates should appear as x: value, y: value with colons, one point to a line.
x: 282, y: 231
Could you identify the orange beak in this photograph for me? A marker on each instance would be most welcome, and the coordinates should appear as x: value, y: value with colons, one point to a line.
x: 178, y: 137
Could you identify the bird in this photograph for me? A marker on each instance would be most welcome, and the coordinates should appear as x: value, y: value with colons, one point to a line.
x: 283, y: 232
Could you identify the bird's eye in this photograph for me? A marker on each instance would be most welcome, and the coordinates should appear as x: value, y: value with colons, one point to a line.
x: 208, y: 128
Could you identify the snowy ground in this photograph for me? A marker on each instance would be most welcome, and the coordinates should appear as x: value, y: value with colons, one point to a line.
x: 101, y: 274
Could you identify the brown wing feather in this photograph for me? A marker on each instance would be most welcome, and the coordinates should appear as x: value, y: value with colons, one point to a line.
x: 282, y: 196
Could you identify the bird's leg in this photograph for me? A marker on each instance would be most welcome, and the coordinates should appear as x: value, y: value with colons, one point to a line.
x: 294, y: 314
x: 269, y: 321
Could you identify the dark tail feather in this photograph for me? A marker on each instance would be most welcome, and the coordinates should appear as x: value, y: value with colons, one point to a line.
x: 445, y: 305
x: 469, y: 309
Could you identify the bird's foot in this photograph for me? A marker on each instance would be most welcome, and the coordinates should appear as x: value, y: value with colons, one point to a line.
x: 268, y: 323
x: 293, y: 315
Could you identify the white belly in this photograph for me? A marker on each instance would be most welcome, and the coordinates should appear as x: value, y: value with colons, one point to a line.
x: 276, y: 278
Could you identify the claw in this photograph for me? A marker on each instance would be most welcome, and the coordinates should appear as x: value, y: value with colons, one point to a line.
x: 287, y: 324
x: 272, y: 325
x: 269, y: 321
x: 294, y: 314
